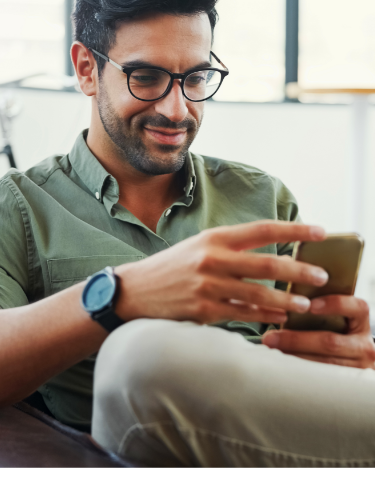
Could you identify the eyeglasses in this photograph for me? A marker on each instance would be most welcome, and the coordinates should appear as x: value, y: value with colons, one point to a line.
x: 151, y: 83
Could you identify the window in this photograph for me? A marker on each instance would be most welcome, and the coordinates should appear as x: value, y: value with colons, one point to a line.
x: 250, y: 40
x: 337, y: 43
x: 32, y: 39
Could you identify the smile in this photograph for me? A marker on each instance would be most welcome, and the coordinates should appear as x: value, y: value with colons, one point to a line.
x: 166, y: 136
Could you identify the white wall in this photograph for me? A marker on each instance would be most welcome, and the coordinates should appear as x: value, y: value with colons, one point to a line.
x: 307, y: 146
x: 48, y: 124
x: 302, y: 145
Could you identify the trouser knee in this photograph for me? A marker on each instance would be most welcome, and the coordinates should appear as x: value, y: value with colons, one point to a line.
x: 140, y: 356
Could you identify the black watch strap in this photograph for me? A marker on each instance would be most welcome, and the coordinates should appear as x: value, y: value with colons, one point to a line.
x: 108, y: 319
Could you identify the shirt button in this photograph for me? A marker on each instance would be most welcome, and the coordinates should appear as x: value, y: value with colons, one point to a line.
x: 97, y: 195
x: 168, y: 212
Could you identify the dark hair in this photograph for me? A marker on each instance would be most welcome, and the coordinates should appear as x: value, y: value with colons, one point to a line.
x: 95, y: 21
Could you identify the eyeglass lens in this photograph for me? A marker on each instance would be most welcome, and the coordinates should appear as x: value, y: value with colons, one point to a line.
x: 150, y: 84
x: 202, y: 84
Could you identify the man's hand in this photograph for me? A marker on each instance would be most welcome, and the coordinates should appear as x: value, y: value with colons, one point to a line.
x: 355, y: 349
x: 202, y: 278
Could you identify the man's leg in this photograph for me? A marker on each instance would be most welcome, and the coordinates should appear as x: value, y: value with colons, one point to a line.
x: 179, y: 394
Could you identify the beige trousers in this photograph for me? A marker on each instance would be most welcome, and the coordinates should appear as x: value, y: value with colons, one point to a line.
x: 180, y: 394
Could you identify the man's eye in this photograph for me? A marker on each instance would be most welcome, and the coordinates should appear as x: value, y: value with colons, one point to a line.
x: 195, y: 80
x: 144, y: 79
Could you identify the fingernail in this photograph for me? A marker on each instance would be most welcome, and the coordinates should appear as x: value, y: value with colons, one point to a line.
x: 301, y: 304
x: 317, y: 304
x: 317, y: 232
x: 319, y: 275
x: 272, y: 340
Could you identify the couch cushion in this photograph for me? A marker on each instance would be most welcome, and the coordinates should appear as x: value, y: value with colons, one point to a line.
x: 30, y: 438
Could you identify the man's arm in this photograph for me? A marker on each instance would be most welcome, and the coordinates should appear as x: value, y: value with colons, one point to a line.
x: 199, y: 279
x: 40, y: 340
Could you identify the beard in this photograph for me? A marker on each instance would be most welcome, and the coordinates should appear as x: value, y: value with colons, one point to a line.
x: 128, y: 141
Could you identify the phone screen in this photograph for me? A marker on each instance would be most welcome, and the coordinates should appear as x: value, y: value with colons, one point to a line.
x: 340, y: 256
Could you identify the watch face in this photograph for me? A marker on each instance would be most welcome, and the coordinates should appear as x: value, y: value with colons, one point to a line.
x: 98, y: 292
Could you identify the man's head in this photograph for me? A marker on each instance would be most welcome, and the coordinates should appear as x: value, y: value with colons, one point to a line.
x: 176, y: 35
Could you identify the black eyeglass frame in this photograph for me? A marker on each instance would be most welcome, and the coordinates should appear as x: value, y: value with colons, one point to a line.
x: 173, y: 76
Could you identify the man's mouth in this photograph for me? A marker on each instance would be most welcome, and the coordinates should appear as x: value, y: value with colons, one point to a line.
x: 166, y: 136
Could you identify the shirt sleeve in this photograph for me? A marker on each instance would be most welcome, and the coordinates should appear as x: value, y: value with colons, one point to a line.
x: 13, y: 248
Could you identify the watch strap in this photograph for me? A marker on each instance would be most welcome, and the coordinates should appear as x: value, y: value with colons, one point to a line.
x: 108, y: 319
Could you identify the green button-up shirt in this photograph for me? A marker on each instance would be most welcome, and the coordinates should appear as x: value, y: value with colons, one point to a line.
x: 61, y: 222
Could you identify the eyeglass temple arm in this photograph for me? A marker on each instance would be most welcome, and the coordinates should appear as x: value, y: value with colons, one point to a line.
x: 218, y: 60
x: 107, y: 59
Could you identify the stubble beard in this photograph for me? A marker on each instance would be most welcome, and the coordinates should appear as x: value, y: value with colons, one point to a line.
x: 129, y: 143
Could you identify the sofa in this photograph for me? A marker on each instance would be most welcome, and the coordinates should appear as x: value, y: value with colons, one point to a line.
x: 32, y: 438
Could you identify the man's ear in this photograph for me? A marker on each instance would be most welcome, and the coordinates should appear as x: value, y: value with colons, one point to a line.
x: 86, y: 68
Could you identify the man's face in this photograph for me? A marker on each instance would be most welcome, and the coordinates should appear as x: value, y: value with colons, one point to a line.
x: 154, y: 137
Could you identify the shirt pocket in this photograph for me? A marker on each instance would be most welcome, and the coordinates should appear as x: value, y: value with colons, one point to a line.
x: 65, y: 272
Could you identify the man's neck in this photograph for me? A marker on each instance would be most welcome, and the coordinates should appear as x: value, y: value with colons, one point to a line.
x: 145, y: 196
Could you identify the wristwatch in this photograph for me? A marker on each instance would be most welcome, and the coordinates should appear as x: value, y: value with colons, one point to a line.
x: 99, y: 297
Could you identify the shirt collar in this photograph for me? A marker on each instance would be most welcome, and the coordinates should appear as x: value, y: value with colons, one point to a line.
x: 103, y: 186
x: 191, y: 178
x: 87, y: 167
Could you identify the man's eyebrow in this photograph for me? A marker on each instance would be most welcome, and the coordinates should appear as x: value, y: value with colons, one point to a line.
x: 143, y: 63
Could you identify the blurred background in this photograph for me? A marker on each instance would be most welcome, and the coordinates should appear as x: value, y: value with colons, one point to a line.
x: 266, y: 114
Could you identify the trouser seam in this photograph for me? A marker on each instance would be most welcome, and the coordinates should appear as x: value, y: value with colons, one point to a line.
x: 131, y: 432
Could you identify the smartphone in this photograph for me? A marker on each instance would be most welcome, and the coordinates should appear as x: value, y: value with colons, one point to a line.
x: 340, y: 256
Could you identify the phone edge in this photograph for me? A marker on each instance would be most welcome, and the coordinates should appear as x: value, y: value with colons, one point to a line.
x: 332, y: 236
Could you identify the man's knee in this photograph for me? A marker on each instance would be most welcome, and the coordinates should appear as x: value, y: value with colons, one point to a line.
x: 139, y: 356
x: 147, y: 365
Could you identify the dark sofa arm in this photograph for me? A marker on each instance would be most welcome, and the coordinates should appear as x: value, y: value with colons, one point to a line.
x: 30, y: 438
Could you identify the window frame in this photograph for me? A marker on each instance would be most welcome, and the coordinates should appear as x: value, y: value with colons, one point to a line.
x: 69, y: 6
x: 291, y: 44
x: 291, y: 50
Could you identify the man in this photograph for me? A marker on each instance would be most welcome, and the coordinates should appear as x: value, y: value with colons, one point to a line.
x: 195, y: 241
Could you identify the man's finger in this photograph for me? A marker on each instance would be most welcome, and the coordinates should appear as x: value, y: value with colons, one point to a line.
x: 254, y: 293
x: 349, y: 306
x: 318, y: 343
x: 257, y: 313
x: 260, y: 266
x: 262, y: 233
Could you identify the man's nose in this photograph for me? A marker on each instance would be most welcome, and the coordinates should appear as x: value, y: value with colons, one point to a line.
x: 173, y: 106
